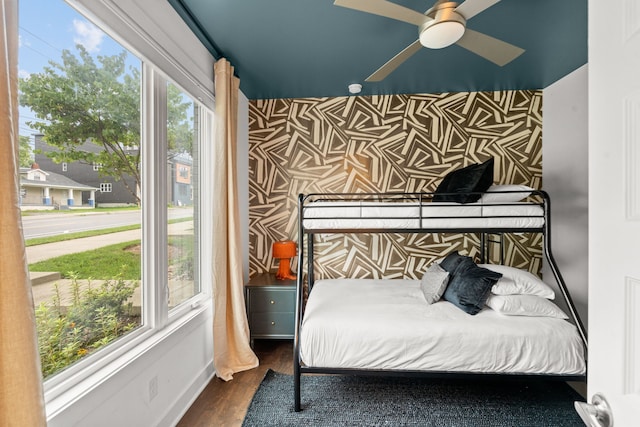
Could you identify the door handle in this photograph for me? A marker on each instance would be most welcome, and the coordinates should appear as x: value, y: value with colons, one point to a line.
x: 595, y: 414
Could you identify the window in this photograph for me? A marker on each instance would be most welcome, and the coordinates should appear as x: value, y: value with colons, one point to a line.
x: 162, y: 140
x: 98, y: 302
x: 70, y: 322
x: 183, y: 173
x: 182, y: 143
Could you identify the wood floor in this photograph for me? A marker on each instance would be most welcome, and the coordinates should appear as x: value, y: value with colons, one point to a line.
x: 224, y: 404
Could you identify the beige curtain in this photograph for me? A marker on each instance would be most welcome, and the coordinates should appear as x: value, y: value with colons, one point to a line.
x: 21, y: 398
x: 231, y: 350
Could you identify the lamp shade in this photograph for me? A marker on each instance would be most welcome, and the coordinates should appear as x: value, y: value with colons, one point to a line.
x: 284, y: 249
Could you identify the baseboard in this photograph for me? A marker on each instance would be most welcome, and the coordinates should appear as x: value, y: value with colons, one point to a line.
x: 186, y: 399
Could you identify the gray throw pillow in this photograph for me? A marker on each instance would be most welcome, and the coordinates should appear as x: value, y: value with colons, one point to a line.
x: 434, y: 282
x: 470, y: 286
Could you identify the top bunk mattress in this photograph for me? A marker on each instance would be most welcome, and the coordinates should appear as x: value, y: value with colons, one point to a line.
x: 387, y: 325
x: 412, y: 215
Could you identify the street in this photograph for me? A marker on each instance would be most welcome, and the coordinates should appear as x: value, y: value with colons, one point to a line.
x: 51, y: 224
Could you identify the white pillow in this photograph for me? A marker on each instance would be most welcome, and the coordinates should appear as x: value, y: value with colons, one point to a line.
x: 434, y: 282
x: 524, y: 305
x: 515, y: 281
x: 489, y: 197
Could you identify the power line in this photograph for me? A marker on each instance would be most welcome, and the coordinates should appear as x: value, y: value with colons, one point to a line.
x: 31, y: 131
x: 39, y: 53
x: 25, y: 116
x: 40, y: 38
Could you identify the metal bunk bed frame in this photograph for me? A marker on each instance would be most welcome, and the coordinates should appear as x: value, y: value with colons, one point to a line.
x: 420, y: 198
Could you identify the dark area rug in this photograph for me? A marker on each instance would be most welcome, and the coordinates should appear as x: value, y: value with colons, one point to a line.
x: 329, y: 400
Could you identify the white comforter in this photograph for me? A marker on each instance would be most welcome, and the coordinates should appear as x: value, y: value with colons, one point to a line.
x: 387, y: 324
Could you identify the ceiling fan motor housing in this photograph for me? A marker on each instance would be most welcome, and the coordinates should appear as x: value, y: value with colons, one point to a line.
x: 444, y: 29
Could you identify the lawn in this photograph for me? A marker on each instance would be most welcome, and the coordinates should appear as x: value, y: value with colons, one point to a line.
x: 100, y: 263
x: 108, y: 262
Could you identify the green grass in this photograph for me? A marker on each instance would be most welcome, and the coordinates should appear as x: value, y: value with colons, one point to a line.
x: 100, y: 263
x: 70, y: 236
x: 108, y: 262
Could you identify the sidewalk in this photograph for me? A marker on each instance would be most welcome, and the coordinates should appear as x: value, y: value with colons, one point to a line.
x: 43, y: 292
x: 51, y: 250
x: 39, y: 253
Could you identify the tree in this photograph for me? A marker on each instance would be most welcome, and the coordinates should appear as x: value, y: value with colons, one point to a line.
x: 179, y: 125
x: 24, y: 152
x: 79, y: 100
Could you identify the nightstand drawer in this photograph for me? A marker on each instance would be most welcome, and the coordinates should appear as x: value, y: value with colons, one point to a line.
x: 272, y: 300
x: 271, y: 324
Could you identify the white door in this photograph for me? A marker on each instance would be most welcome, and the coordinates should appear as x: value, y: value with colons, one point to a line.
x: 614, y: 207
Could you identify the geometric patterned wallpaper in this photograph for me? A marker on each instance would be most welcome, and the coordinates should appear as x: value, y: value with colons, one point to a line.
x: 385, y: 143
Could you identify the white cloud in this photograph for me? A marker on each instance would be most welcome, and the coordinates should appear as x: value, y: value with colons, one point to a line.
x: 24, y: 74
x: 88, y: 35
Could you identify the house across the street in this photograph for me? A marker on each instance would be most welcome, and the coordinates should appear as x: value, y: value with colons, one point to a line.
x: 41, y: 189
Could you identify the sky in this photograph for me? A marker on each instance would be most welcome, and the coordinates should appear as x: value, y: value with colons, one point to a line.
x: 46, y: 28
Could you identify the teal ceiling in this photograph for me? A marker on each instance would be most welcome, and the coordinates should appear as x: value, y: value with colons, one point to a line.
x: 312, y: 48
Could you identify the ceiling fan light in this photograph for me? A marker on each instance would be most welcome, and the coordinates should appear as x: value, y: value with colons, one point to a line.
x: 445, y: 27
x: 441, y: 34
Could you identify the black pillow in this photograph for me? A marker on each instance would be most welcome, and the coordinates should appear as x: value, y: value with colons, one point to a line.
x: 473, y: 178
x: 470, y: 286
x: 452, y: 261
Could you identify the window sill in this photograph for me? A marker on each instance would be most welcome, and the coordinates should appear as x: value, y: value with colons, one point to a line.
x: 80, y: 380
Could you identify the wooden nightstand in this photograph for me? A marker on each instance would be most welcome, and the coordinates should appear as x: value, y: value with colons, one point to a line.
x: 271, y: 305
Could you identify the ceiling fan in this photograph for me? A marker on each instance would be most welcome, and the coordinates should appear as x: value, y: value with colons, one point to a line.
x: 441, y: 26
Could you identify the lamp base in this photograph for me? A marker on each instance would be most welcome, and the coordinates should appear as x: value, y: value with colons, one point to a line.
x: 284, y: 270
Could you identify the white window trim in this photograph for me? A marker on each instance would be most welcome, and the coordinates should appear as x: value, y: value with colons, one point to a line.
x: 64, y: 388
x: 155, y: 31
x: 192, y: 71
x: 90, y: 371
x: 154, y: 230
x: 88, y: 374
x: 205, y: 211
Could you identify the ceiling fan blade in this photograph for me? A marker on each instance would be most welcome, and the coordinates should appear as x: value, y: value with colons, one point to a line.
x: 394, y: 62
x: 492, y: 49
x: 471, y: 8
x: 386, y: 9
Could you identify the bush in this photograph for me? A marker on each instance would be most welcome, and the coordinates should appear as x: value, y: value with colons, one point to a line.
x: 95, y: 317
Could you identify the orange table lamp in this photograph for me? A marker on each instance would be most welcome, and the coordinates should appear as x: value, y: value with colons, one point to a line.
x: 284, y: 250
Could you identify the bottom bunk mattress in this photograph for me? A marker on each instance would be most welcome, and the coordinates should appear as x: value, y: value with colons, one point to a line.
x: 388, y: 325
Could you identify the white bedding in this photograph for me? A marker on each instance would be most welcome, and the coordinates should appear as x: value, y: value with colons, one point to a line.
x: 387, y: 324
x: 398, y: 215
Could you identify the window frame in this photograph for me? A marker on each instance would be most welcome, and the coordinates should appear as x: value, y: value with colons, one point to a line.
x: 158, y: 322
